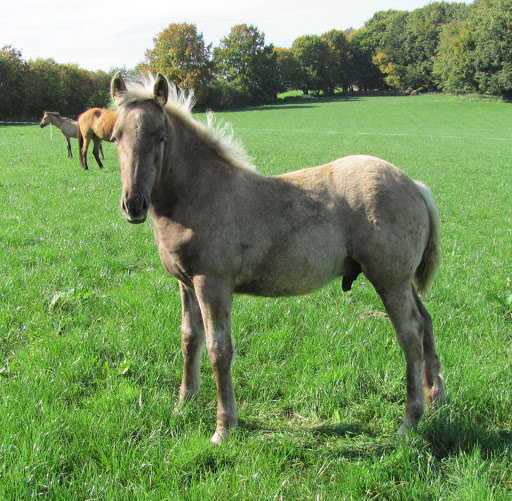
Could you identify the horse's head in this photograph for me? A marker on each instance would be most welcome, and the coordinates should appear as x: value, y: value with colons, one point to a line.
x: 139, y: 134
x: 45, y: 120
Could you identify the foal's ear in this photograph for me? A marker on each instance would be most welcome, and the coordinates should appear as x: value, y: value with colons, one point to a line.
x: 117, y: 87
x: 161, y: 90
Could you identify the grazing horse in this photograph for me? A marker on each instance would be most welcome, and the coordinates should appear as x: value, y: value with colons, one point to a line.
x: 94, y: 125
x: 221, y: 228
x: 67, y: 126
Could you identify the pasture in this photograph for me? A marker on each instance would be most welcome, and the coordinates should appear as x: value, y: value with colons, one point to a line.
x: 90, y: 357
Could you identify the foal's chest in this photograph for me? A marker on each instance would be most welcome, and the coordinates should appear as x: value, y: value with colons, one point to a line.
x: 172, y: 240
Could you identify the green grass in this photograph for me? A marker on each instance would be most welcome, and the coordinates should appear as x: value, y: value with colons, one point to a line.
x: 90, y: 359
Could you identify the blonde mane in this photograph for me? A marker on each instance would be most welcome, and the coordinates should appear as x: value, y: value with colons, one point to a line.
x: 219, y: 136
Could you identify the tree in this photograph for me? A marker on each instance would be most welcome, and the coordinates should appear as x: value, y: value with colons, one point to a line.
x: 13, y: 71
x: 364, y: 71
x: 75, y: 90
x: 244, y: 61
x: 342, y: 69
x: 404, y: 44
x: 289, y: 70
x: 100, y: 88
x: 318, y: 61
x: 454, y: 64
x: 180, y: 53
x: 491, y: 22
x: 43, y: 87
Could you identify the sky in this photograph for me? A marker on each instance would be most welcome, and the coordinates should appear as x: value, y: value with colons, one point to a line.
x: 100, y: 35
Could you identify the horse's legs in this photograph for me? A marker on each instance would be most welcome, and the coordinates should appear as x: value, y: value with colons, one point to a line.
x: 70, y: 151
x: 83, y: 152
x: 433, y: 381
x: 215, y: 300
x: 101, y: 152
x: 409, y: 326
x: 192, y: 342
x: 96, y: 149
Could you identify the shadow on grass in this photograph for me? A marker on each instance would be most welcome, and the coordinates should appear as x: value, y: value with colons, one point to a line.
x: 444, y: 432
x: 450, y: 432
x: 290, y: 103
x: 342, y: 430
x: 18, y: 124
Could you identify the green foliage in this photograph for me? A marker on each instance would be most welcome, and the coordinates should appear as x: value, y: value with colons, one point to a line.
x: 405, y: 43
x: 243, y: 60
x: 90, y: 356
x: 289, y: 70
x: 454, y: 65
x: 318, y: 61
x: 222, y: 94
x: 342, y: 63
x: 491, y: 22
x: 180, y: 53
x: 13, y: 72
x: 452, y: 47
x: 27, y: 89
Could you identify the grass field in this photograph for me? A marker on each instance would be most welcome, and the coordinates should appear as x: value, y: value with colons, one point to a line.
x: 90, y: 358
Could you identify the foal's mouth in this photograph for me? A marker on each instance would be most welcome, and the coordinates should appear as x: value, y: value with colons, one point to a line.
x: 135, y: 208
x: 137, y: 219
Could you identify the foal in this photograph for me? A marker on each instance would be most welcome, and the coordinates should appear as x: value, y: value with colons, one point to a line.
x: 67, y: 126
x: 222, y: 229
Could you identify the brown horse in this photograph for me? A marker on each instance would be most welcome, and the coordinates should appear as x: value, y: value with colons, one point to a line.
x: 221, y: 229
x: 67, y: 126
x: 94, y: 125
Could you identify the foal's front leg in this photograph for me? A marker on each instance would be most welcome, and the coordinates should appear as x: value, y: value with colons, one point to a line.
x: 192, y: 342
x: 215, y: 300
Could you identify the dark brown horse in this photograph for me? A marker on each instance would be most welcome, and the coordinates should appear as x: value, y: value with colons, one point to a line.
x: 222, y: 229
x: 94, y: 125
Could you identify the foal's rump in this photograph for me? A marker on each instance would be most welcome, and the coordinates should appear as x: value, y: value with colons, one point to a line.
x: 374, y: 213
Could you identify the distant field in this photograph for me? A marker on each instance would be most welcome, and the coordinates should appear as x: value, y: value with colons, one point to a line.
x: 90, y: 358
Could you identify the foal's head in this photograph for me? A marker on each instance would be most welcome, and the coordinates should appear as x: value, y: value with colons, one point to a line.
x: 139, y: 134
x: 45, y: 120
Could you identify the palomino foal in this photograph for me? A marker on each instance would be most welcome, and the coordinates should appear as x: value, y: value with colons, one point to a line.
x: 67, y: 126
x: 222, y: 229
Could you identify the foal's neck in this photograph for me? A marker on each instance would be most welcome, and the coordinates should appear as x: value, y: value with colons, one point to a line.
x: 190, y: 167
x: 56, y: 120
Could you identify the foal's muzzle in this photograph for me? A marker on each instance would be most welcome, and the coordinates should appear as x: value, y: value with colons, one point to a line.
x: 135, y: 208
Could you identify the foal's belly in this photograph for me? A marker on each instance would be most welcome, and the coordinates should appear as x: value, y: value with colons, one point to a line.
x: 267, y: 287
x: 291, y: 275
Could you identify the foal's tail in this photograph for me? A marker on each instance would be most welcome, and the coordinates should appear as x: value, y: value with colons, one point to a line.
x: 431, y: 258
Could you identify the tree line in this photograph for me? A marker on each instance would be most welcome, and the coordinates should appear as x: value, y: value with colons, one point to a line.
x: 27, y: 88
x: 450, y: 47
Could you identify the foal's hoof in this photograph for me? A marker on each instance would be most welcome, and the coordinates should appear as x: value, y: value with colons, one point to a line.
x: 217, y: 439
x: 402, y: 431
x: 221, y: 433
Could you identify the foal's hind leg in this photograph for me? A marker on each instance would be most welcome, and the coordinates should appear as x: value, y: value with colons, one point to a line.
x: 433, y: 381
x: 70, y: 151
x: 408, y: 323
x: 96, y: 150
x: 192, y: 342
